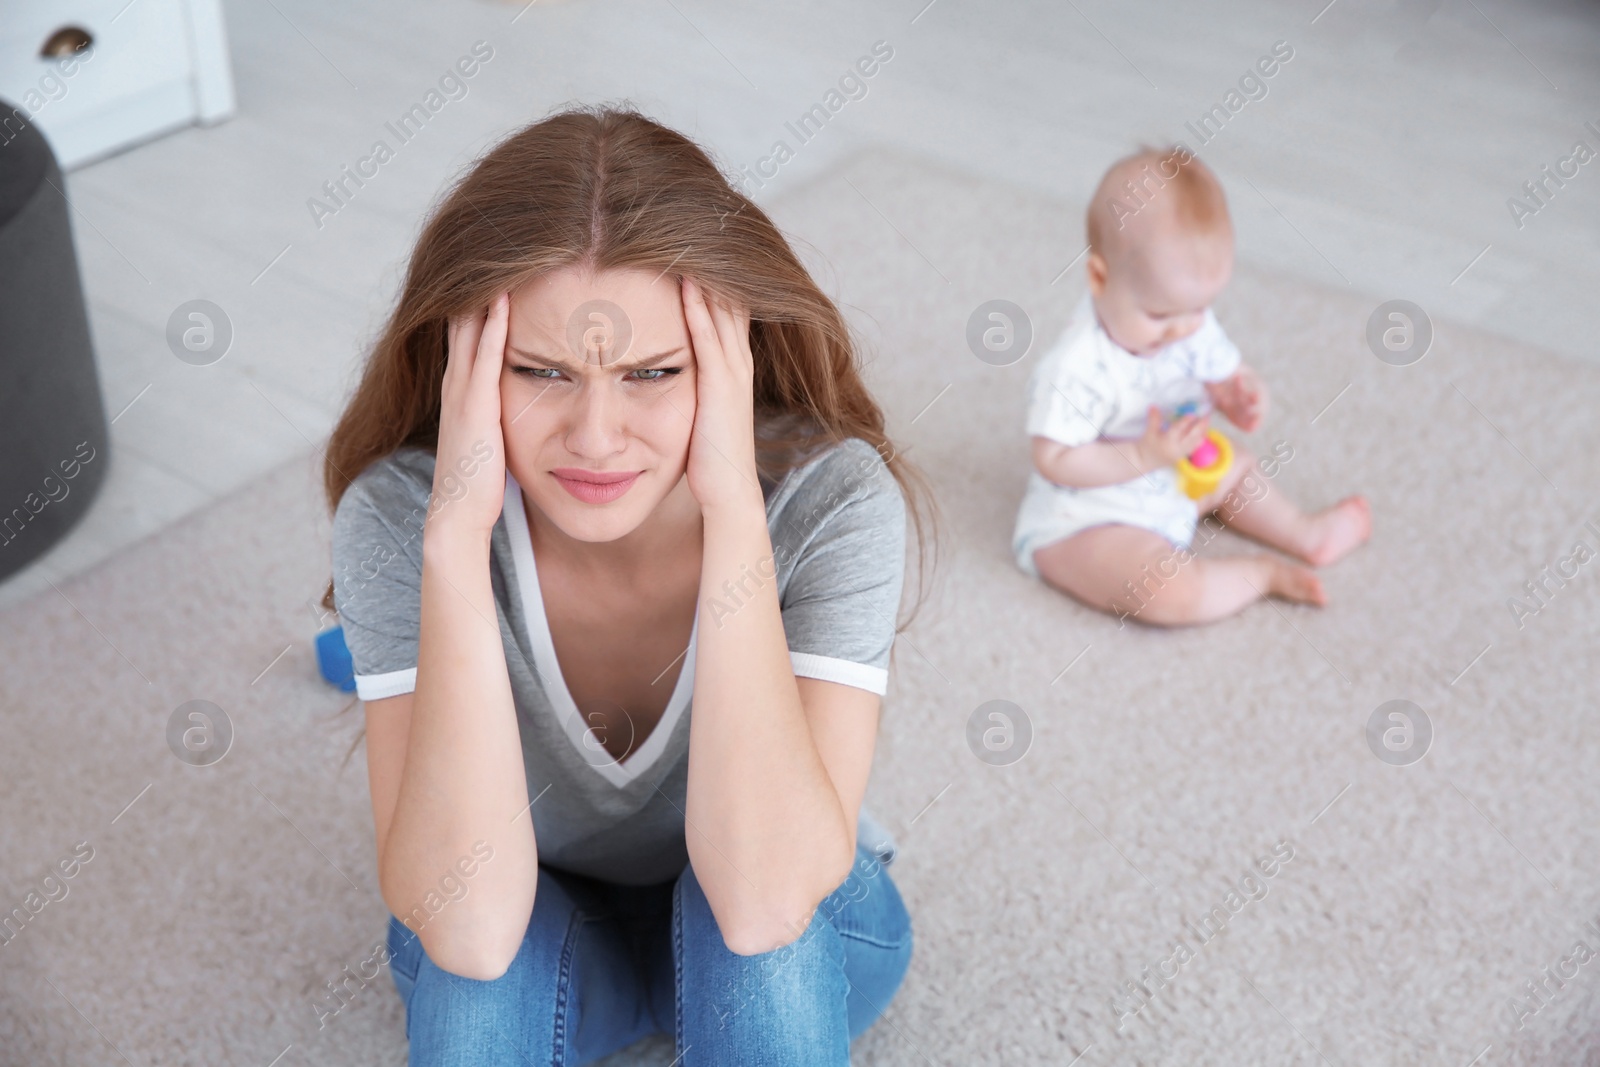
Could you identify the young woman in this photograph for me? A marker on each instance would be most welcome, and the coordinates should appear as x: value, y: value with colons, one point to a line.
x: 611, y: 458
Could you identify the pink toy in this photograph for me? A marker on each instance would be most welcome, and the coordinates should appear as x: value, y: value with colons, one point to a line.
x: 1202, y: 471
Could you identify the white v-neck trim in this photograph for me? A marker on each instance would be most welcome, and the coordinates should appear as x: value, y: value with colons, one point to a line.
x: 544, y: 657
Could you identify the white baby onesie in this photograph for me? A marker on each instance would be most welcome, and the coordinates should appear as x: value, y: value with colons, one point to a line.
x: 1088, y: 387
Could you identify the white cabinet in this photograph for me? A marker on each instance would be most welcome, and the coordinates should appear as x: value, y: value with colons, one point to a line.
x: 152, y: 66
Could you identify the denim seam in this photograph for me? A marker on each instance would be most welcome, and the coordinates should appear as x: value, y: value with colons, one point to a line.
x: 877, y: 941
x: 563, y: 986
x: 677, y: 966
x: 405, y: 1001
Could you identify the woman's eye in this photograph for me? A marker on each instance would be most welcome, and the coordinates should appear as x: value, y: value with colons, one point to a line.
x: 550, y: 374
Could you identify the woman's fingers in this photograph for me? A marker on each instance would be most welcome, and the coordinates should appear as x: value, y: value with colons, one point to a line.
x: 732, y: 327
x: 491, y: 343
x: 464, y: 334
x: 721, y: 332
x: 701, y: 325
x: 722, y: 320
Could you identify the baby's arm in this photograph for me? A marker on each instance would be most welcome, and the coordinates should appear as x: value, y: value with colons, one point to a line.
x: 1109, y: 462
x: 1242, y: 397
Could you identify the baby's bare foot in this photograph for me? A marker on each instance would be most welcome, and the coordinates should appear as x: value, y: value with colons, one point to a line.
x: 1337, y: 530
x: 1297, y: 584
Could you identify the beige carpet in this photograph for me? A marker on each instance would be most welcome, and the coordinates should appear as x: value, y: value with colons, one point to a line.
x: 1419, y: 900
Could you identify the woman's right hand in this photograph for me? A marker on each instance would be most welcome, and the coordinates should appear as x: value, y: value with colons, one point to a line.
x: 469, y: 474
x: 1164, y: 447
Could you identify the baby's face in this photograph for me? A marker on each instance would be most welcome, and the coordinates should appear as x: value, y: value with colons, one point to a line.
x: 1148, y: 298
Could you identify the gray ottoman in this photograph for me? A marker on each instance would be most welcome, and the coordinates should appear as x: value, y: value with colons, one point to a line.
x: 53, y: 432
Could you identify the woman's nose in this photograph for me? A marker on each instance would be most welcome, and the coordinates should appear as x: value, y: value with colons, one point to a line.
x: 595, y: 427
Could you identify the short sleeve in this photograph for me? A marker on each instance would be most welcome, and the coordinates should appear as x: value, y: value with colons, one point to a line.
x: 1071, y: 395
x: 843, y: 595
x: 377, y: 581
x: 1212, y: 356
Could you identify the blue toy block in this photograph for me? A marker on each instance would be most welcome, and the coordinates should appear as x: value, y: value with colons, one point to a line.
x: 333, y: 659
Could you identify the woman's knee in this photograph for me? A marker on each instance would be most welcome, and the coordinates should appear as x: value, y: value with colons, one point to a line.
x: 875, y: 929
x: 867, y: 905
x: 826, y: 987
x: 451, y: 1019
x: 790, y: 997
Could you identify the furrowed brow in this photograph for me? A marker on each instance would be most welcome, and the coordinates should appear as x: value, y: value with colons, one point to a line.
x: 565, y: 364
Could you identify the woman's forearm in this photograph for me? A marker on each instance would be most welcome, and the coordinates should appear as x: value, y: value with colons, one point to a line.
x: 766, y: 833
x: 464, y: 780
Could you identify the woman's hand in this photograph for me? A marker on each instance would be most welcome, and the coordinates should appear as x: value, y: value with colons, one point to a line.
x: 722, y: 450
x: 469, y: 474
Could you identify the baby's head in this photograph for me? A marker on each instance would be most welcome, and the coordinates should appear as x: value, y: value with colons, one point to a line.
x: 1160, y: 247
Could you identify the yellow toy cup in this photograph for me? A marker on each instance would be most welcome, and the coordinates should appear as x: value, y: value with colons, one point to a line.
x: 1197, y: 481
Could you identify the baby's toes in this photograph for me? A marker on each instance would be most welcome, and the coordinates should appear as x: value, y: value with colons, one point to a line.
x: 1362, y: 512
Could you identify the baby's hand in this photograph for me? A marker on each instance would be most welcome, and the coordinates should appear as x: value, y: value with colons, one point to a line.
x: 1162, y: 448
x: 1242, y: 398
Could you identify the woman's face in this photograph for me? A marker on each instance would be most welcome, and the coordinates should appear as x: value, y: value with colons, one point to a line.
x: 599, y: 381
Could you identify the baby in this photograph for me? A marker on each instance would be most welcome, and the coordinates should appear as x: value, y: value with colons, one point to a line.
x: 1105, y: 518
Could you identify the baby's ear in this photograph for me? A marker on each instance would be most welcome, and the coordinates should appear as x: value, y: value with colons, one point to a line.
x: 1096, y: 266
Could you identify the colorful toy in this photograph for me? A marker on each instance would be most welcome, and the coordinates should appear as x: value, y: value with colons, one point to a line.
x: 1204, y: 468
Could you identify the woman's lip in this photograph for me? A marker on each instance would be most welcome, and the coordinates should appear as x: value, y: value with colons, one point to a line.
x: 578, y: 474
x: 593, y: 492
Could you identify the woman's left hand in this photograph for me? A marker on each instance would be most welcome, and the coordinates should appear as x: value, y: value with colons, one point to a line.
x: 722, y: 449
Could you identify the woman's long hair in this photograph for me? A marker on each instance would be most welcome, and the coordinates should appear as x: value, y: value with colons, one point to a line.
x: 606, y: 188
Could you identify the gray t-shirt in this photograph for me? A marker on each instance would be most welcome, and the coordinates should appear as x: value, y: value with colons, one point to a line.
x: 837, y: 524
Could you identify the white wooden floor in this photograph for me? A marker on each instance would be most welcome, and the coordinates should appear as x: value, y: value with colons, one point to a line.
x: 1381, y: 158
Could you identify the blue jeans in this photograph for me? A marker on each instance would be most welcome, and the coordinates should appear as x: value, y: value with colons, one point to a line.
x: 604, y: 965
